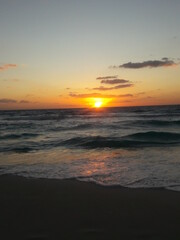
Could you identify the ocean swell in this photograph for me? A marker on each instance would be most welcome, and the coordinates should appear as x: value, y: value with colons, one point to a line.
x: 18, y: 136
x: 142, y: 139
x: 157, y: 123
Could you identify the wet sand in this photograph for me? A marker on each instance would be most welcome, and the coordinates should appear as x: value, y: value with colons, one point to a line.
x: 68, y: 209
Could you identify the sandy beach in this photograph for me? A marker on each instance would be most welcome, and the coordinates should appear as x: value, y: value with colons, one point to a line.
x: 68, y: 209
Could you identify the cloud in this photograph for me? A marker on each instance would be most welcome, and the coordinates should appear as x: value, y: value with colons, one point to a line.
x: 127, y: 101
x: 125, y: 95
x: 114, y: 81
x: 92, y: 95
x: 11, y: 80
x: 7, y: 100
x: 7, y: 66
x: 165, y: 59
x: 107, y: 77
x: 85, y: 95
x: 101, y: 88
x: 29, y: 95
x: 24, y: 101
x: 98, y: 95
x: 164, y: 62
x: 140, y: 93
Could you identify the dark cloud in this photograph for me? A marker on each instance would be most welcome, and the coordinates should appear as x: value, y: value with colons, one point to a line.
x: 114, y: 81
x: 165, y: 59
x: 101, y: 88
x: 106, y: 77
x: 7, y: 100
x: 6, y: 66
x: 165, y: 62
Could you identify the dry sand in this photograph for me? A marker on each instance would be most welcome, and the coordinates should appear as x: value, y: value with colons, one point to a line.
x: 68, y: 209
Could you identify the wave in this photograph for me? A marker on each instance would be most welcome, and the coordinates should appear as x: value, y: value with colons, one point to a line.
x: 145, y: 139
x: 19, y: 125
x: 77, y: 127
x: 156, y: 136
x: 85, y: 126
x: 18, y: 136
x: 157, y: 115
x: 157, y: 123
x: 19, y: 149
x: 137, y: 140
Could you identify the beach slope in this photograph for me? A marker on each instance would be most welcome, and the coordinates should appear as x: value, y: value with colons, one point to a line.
x: 68, y: 209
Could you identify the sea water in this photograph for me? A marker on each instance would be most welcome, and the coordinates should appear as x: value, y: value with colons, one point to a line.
x: 130, y: 146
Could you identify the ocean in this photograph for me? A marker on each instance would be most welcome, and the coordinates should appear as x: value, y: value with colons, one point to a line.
x: 135, y: 147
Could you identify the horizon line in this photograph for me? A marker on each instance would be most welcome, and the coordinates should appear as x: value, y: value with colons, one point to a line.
x: 41, y: 109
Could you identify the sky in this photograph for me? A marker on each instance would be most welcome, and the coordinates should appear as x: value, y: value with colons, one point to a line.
x: 69, y: 53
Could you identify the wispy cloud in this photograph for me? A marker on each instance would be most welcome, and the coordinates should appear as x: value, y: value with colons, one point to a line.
x: 29, y: 95
x: 11, y: 80
x: 140, y: 93
x: 125, y: 95
x: 164, y: 62
x: 7, y: 100
x: 7, y: 66
x: 27, y: 102
x: 102, y: 88
x: 114, y: 81
x: 127, y: 101
x: 24, y: 101
x: 99, y: 95
x: 85, y: 95
x: 106, y: 77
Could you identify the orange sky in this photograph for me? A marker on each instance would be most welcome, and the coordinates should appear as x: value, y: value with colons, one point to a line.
x: 62, y: 54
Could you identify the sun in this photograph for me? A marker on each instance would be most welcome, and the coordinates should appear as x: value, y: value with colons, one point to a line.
x: 98, y: 103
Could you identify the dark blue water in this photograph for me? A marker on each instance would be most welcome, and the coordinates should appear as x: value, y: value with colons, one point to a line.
x: 134, y: 146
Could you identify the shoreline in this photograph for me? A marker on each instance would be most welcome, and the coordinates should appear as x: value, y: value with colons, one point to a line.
x: 73, y: 179
x: 32, y: 208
